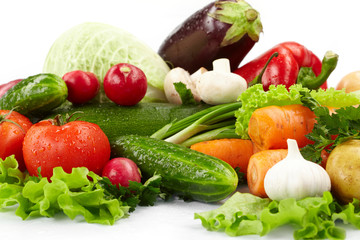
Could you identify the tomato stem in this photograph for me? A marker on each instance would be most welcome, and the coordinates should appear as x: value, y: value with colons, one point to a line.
x: 68, y: 118
x: 59, y: 120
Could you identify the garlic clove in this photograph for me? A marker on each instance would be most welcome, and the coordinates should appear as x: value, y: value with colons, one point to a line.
x: 295, y: 177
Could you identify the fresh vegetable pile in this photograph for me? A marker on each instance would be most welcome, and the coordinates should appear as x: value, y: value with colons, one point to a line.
x: 110, y: 125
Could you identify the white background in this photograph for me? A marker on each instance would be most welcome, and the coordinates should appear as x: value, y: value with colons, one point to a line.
x: 28, y: 28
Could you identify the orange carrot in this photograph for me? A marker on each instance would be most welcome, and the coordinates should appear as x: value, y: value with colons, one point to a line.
x: 235, y: 152
x: 259, y: 164
x: 270, y: 127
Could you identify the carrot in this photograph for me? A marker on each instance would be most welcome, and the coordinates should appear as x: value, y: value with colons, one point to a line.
x: 235, y: 152
x: 259, y: 164
x: 271, y: 126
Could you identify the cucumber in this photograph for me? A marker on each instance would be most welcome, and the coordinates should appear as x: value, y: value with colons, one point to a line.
x: 142, y: 119
x: 35, y: 95
x: 185, y: 172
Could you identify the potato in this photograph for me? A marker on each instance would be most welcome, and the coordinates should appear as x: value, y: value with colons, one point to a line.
x: 343, y: 167
x: 351, y: 82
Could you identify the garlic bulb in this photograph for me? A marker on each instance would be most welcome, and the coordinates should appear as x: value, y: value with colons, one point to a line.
x: 295, y: 177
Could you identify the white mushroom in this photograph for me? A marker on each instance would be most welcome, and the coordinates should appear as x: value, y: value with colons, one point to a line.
x: 178, y: 75
x: 220, y: 85
x: 195, y: 77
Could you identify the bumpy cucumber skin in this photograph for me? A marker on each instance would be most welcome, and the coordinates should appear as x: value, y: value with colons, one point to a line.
x: 185, y: 172
x: 142, y: 119
x: 35, y: 95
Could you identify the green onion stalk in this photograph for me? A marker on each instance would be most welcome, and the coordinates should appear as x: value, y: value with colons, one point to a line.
x: 212, y: 123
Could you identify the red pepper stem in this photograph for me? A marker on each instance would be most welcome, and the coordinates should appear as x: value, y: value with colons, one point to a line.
x: 329, y: 63
x: 258, y: 78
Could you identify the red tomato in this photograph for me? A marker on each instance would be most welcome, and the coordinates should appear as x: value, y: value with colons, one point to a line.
x: 121, y: 171
x: 125, y: 84
x: 82, y: 86
x: 12, y: 136
x: 74, y: 144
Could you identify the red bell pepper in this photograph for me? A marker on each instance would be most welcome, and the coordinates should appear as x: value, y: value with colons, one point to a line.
x: 293, y: 64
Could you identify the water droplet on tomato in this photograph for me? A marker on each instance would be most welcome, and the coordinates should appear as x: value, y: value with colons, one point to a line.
x: 34, y: 151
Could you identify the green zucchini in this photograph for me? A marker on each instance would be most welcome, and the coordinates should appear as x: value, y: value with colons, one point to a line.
x: 185, y: 172
x: 35, y: 95
x: 141, y: 119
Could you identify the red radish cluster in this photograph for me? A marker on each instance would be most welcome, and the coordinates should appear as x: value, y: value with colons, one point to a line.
x: 124, y: 84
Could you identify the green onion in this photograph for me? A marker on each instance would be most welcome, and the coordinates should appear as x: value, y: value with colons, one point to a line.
x: 211, y: 123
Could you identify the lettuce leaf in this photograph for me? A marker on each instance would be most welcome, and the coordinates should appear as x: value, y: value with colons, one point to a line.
x: 349, y: 214
x: 312, y: 217
x: 239, y: 215
x: 74, y: 194
x: 9, y: 194
x: 11, y: 181
x: 255, y: 97
x: 9, y: 171
x: 79, y: 193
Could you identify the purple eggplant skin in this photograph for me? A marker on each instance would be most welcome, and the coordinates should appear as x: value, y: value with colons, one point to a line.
x: 222, y: 29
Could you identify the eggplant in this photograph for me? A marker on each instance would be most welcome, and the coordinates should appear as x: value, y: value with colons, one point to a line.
x: 222, y: 29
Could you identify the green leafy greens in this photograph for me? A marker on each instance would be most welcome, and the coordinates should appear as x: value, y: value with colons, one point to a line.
x: 312, y: 217
x: 77, y: 193
x: 330, y: 129
x: 255, y: 97
x: 187, y: 98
